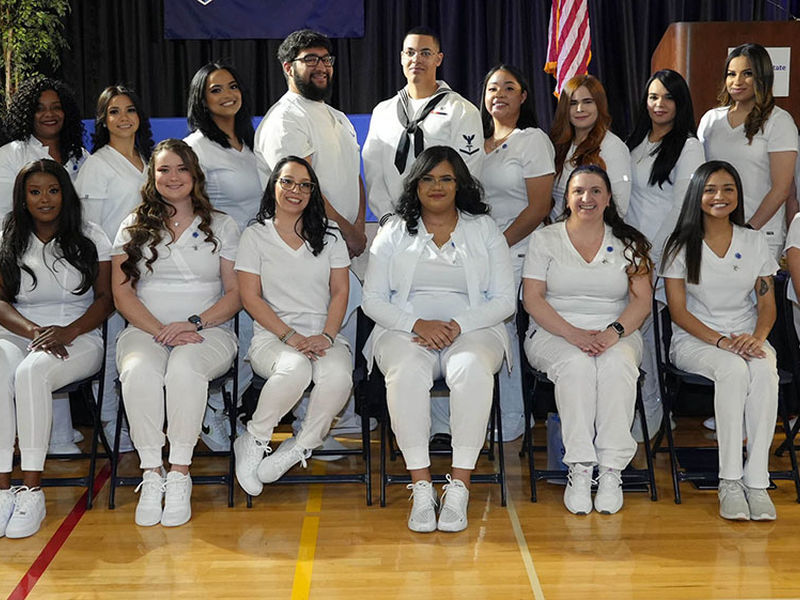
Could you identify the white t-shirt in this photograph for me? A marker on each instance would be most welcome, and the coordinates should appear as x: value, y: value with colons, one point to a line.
x: 587, y: 295
x: 52, y: 301
x: 615, y: 154
x: 527, y: 153
x: 723, y: 300
x: 110, y: 187
x: 17, y: 154
x: 454, y: 122
x: 301, y: 127
x: 793, y: 241
x: 439, y: 288
x: 186, y: 277
x: 232, y: 181
x: 723, y: 142
x: 295, y: 283
x: 654, y: 209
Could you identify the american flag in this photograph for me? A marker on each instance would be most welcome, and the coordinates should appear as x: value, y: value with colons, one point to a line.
x: 569, y: 47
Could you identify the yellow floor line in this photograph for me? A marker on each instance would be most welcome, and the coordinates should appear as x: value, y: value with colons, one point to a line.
x: 301, y: 586
x: 527, y: 560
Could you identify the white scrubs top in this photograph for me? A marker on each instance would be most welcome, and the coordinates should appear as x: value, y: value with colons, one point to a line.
x: 295, y: 283
x: 654, y: 209
x: 723, y: 299
x: 723, y: 142
x: 52, y: 301
x: 615, y: 154
x: 526, y: 153
x: 454, y: 122
x: 301, y: 127
x: 110, y: 187
x: 232, y: 181
x: 186, y: 276
x: 17, y: 154
x: 586, y: 295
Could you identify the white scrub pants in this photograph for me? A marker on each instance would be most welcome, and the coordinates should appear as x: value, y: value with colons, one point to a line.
x: 288, y: 374
x: 146, y: 368
x: 468, y: 366
x: 743, y: 390
x: 32, y: 377
x: 595, y: 396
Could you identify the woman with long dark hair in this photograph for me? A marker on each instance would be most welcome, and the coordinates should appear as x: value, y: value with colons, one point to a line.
x: 518, y: 180
x: 712, y: 266
x: 220, y: 117
x: 439, y: 285
x: 54, y: 295
x: 109, y: 185
x: 294, y: 281
x: 173, y: 281
x: 581, y: 135
x: 43, y: 121
x: 665, y: 152
x: 586, y: 285
x: 757, y: 137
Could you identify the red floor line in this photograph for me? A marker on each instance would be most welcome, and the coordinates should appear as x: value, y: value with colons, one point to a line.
x: 48, y: 553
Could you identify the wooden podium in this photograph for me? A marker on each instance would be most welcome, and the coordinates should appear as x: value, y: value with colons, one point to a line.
x: 698, y: 51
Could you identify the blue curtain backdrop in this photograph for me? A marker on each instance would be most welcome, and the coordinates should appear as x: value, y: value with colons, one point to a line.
x: 123, y: 41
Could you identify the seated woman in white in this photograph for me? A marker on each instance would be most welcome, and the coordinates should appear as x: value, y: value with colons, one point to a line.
x: 439, y: 285
x: 54, y: 294
x: 586, y: 284
x: 294, y: 281
x: 712, y: 265
x: 173, y: 280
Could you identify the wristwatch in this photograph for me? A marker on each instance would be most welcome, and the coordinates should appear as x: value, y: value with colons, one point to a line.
x: 617, y: 326
x: 198, y: 322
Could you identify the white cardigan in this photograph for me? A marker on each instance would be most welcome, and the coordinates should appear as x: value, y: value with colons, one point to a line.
x: 393, y: 260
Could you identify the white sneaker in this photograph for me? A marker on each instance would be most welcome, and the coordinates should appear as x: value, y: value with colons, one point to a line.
x: 513, y: 428
x: 710, y: 423
x: 330, y: 443
x: 151, y: 495
x: 453, y: 516
x: 761, y: 506
x: 177, y: 499
x: 423, y: 511
x: 7, y: 498
x: 249, y: 451
x: 215, y: 432
x: 77, y: 436
x: 284, y: 458
x: 732, y: 501
x: 29, y: 512
x: 608, y: 499
x: 125, y: 443
x: 62, y: 448
x: 578, y: 493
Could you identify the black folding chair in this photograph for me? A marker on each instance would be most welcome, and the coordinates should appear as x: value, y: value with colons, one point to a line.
x: 672, y: 382
x: 229, y: 397
x: 633, y: 480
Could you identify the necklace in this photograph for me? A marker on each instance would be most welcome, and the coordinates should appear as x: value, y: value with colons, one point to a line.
x: 495, y: 143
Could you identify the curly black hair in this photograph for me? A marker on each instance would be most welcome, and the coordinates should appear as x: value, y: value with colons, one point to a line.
x: 299, y: 40
x: 19, y: 227
x: 101, y: 137
x: 22, y: 111
x: 469, y: 192
x: 314, y: 224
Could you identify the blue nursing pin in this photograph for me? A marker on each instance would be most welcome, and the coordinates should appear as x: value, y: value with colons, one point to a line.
x: 738, y: 255
x: 609, y: 248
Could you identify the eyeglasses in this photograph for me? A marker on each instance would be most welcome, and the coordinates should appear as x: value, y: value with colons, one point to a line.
x: 304, y: 187
x: 312, y: 60
x: 424, y: 54
x: 430, y: 180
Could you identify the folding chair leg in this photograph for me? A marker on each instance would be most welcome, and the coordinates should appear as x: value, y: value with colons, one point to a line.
x: 651, y: 476
x: 383, y: 462
x: 97, y: 431
x: 528, y: 404
x: 115, y: 455
x: 497, y: 418
x: 789, y: 433
x: 673, y: 459
x: 366, y: 456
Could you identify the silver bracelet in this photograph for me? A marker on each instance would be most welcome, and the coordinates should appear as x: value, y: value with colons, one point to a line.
x: 327, y: 337
x: 285, y: 337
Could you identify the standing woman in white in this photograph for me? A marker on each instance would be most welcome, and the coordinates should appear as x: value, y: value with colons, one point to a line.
x: 109, y: 185
x: 173, y: 280
x: 665, y: 152
x: 439, y: 285
x: 586, y: 284
x: 293, y: 276
x: 221, y: 120
x: 518, y: 182
x: 54, y: 295
x: 712, y: 265
x: 581, y: 135
x: 758, y: 138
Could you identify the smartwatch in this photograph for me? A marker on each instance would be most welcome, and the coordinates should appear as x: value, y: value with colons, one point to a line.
x: 196, y: 321
x: 617, y: 326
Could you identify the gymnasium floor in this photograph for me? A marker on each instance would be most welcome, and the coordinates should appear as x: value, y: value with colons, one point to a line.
x: 322, y: 542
